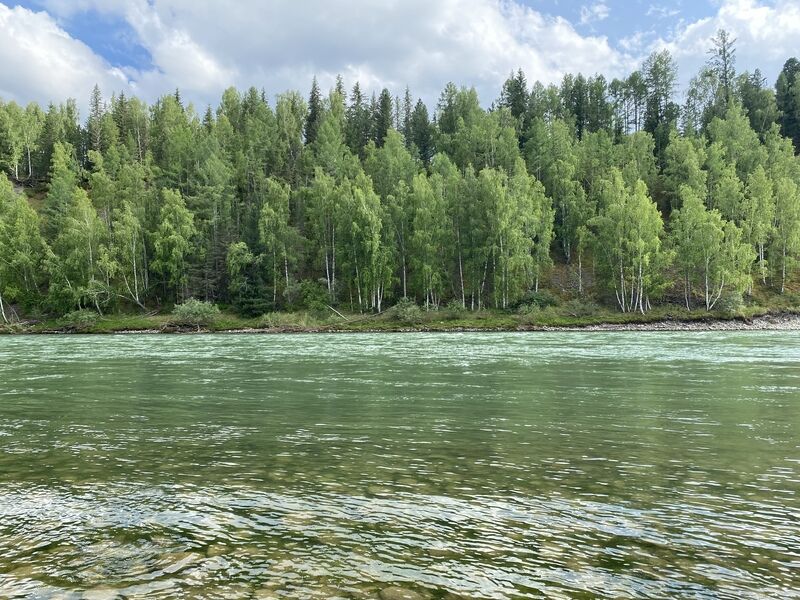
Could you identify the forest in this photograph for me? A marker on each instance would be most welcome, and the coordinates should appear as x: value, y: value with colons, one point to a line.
x: 629, y: 192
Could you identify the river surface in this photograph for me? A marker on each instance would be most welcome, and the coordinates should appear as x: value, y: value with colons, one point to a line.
x: 563, y: 465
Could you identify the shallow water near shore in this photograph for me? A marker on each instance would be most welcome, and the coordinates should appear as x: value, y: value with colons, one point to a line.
x: 561, y: 465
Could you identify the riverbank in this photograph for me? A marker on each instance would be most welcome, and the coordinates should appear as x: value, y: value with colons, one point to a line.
x: 664, y: 319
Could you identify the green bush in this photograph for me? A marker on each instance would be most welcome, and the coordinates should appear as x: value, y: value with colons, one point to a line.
x: 276, y: 320
x: 455, y: 310
x: 731, y: 304
x: 253, y: 307
x: 195, y: 313
x: 581, y: 308
x: 406, y: 311
x: 80, y: 320
x: 540, y: 299
x: 538, y: 316
x: 312, y: 296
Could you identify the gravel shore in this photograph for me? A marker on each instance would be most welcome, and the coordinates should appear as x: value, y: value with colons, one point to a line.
x: 787, y: 322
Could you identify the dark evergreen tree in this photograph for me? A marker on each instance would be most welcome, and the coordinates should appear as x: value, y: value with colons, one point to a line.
x: 787, y: 96
x: 383, y: 117
x: 315, y: 113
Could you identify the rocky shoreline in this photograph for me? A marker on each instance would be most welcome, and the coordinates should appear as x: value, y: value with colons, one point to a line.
x: 771, y: 322
x: 782, y: 322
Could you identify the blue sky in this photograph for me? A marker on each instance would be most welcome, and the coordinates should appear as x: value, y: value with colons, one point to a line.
x: 108, y: 34
x: 114, y: 39
x: 150, y: 47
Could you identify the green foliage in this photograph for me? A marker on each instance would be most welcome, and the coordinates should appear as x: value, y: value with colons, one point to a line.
x: 406, y: 311
x: 628, y: 244
x: 195, y: 313
x: 731, y: 304
x: 312, y: 296
x: 581, y: 308
x: 79, y: 320
x: 173, y: 242
x: 295, y: 320
x: 350, y: 204
x: 539, y: 299
x: 455, y: 310
x: 709, y: 252
x: 23, y: 250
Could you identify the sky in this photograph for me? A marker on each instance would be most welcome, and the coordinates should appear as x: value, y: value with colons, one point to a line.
x: 57, y: 49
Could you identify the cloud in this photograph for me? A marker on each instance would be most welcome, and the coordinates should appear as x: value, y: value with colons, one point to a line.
x: 634, y: 44
x: 203, y: 47
x: 41, y: 62
x: 662, y: 12
x: 593, y: 13
x: 766, y: 35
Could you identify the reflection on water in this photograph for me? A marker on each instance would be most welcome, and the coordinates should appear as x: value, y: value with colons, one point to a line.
x: 401, y: 466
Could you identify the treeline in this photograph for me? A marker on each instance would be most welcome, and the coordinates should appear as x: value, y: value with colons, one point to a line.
x: 354, y: 202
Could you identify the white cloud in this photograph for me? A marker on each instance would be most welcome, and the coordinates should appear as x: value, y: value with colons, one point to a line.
x: 635, y: 43
x: 766, y: 35
x: 42, y: 62
x: 593, y: 13
x: 662, y: 12
x: 202, y: 47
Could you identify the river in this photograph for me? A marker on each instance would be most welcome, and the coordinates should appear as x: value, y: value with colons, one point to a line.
x: 559, y: 465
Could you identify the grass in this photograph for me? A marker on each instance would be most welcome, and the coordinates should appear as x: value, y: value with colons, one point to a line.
x: 567, y: 315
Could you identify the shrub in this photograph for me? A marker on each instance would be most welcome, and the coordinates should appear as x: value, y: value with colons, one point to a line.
x: 406, y: 311
x: 581, y: 308
x: 455, y: 310
x: 195, y: 313
x: 80, y: 320
x: 311, y: 295
x: 538, y: 316
x: 276, y: 320
x: 731, y: 304
x: 253, y: 307
x: 540, y: 299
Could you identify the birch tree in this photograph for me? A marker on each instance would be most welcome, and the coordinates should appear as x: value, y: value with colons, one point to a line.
x: 757, y: 217
x: 786, y: 241
x: 628, y: 244
x: 275, y: 233
x: 431, y: 234
x: 709, y: 251
x: 173, y: 244
x: 22, y: 251
x: 323, y: 204
x: 130, y: 257
x: 77, y: 261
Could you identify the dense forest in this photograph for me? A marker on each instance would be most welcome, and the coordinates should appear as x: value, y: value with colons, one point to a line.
x: 357, y: 202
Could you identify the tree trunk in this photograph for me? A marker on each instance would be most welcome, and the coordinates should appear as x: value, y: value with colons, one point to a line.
x: 135, y: 275
x: 3, y: 310
x: 274, y: 278
x: 461, y: 272
x: 687, y: 291
x: 405, y: 287
x: 333, y: 263
x: 328, y: 274
x: 286, y: 268
x: 783, y: 270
